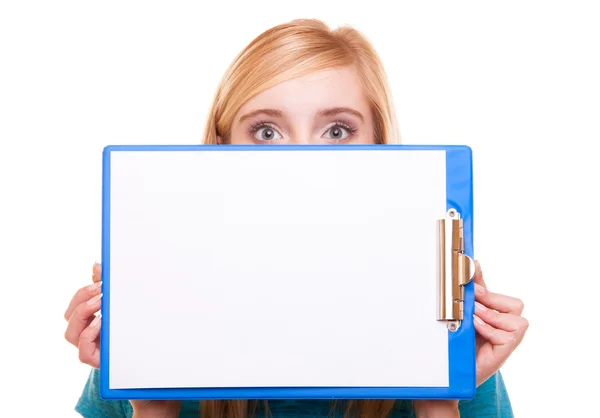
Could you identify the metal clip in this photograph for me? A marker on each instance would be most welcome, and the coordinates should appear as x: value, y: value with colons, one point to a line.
x: 455, y: 269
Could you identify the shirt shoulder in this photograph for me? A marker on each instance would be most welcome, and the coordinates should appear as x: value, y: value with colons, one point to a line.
x: 490, y: 401
x: 91, y: 405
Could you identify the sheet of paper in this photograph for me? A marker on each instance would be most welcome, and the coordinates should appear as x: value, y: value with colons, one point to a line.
x: 275, y: 268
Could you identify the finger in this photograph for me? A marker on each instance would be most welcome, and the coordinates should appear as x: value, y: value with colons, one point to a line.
x: 81, y: 317
x: 503, y: 342
x: 87, y: 292
x: 494, y: 335
x: 498, y: 302
x: 492, y: 300
x: 82, y: 295
x: 503, y: 321
x: 89, y: 344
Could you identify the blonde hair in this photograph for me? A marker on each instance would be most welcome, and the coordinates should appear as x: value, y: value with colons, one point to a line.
x: 293, y: 50
x: 282, y: 53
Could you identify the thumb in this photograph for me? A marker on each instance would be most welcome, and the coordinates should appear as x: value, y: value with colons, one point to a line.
x: 97, y: 272
x: 478, y: 276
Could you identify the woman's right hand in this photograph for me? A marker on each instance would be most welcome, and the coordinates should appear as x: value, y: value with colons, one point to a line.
x: 83, y: 330
x: 83, y: 327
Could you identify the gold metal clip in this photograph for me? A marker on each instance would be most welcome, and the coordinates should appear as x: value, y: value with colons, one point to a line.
x: 455, y: 269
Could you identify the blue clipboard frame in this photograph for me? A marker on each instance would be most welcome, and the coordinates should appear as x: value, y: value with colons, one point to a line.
x: 461, y: 343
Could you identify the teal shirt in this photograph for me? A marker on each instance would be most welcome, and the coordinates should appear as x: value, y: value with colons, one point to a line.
x: 491, y: 401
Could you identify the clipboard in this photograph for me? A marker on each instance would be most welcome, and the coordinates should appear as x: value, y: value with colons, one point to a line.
x: 287, y: 272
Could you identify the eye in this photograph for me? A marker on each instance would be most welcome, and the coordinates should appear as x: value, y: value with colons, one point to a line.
x: 266, y: 133
x: 339, y: 132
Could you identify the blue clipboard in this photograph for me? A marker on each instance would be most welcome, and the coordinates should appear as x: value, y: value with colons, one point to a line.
x: 461, y: 342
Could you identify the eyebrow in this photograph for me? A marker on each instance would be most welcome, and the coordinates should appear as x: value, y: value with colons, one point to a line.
x: 269, y: 112
x: 321, y: 113
x: 337, y: 110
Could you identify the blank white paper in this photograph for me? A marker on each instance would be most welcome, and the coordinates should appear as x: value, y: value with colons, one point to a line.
x: 275, y: 268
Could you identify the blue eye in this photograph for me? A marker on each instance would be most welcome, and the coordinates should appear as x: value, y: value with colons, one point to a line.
x: 265, y: 133
x: 337, y: 132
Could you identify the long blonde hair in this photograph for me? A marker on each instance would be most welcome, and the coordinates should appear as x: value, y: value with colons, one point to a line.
x: 279, y: 54
x: 293, y: 50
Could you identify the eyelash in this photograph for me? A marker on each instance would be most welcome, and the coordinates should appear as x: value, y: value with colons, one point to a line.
x: 263, y: 124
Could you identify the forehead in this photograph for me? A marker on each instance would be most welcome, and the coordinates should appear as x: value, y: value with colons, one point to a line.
x: 338, y: 87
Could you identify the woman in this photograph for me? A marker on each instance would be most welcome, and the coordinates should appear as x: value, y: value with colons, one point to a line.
x: 300, y: 83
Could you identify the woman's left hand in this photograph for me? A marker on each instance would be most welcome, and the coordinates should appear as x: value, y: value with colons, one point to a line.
x: 499, y: 325
x: 500, y: 329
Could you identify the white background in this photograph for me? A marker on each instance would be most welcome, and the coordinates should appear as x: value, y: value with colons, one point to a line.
x: 516, y: 80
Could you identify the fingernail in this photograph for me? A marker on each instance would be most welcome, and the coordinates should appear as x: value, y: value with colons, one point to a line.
x: 96, y: 320
x: 94, y: 299
x: 479, y: 288
x: 478, y: 320
x: 94, y: 286
x: 480, y: 307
